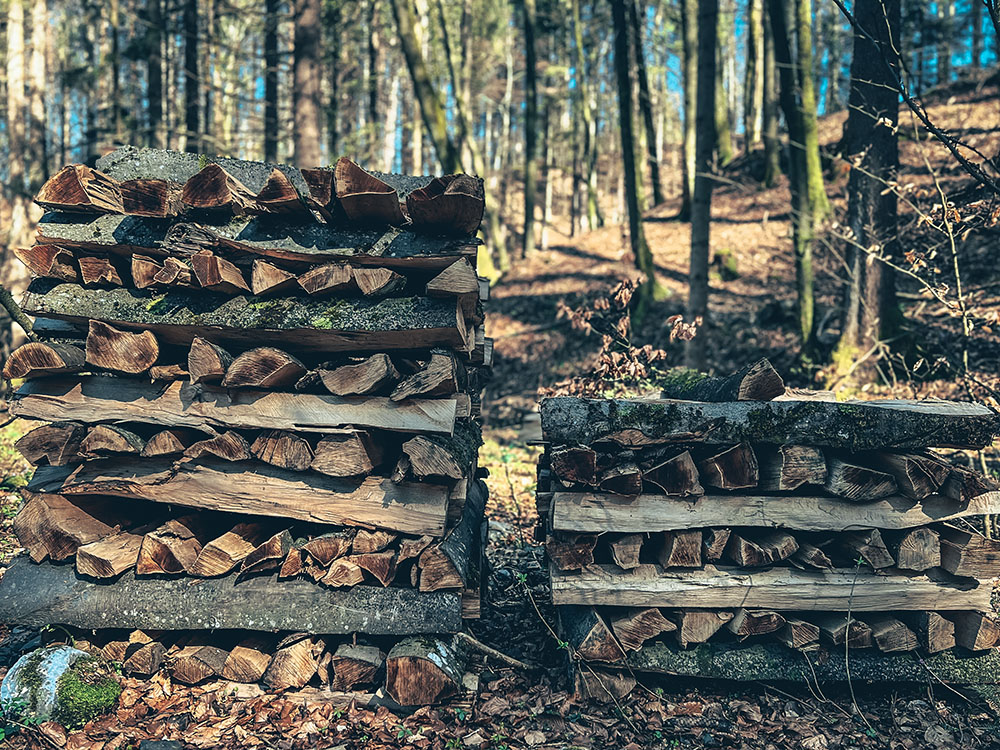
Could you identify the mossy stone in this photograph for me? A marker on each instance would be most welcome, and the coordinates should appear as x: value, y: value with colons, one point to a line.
x: 85, y: 691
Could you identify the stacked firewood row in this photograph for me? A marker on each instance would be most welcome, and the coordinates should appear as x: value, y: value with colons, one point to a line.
x: 731, y: 512
x: 260, y: 377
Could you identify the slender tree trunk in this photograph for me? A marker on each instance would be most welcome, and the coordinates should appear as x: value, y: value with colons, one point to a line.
x: 38, y: 151
x: 645, y: 101
x: 271, y: 10
x: 723, y: 120
x: 810, y: 129
x: 976, y: 22
x: 944, y: 14
x: 701, y: 205
x: 772, y: 147
x: 589, y: 150
x: 530, y: 126
x: 331, y: 40
x: 389, y: 131
x: 210, y: 76
x: 154, y: 73
x: 305, y: 94
x: 191, y: 77
x: 689, y: 62
x: 633, y: 189
x: 753, y: 86
x: 374, y: 76
x: 870, y: 311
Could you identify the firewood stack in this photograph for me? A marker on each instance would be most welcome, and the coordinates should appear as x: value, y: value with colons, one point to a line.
x: 265, y: 381
x: 731, y: 520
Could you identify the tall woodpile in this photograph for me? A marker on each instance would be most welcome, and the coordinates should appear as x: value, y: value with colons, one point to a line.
x: 741, y: 521
x: 264, y: 381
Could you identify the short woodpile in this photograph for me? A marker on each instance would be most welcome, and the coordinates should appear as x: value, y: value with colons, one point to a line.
x: 713, y: 530
x: 258, y: 394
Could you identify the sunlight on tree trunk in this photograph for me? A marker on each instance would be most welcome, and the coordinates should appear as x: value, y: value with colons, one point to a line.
x: 689, y: 69
x: 192, y: 134
x: 305, y: 93
x: 530, y: 126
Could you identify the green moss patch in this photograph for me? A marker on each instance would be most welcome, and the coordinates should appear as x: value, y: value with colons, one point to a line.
x: 84, y: 692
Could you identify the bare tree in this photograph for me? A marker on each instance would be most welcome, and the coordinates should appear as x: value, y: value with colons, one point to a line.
x: 305, y: 93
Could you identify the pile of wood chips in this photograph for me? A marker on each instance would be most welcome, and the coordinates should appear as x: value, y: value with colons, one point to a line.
x: 258, y: 391
x: 755, y: 524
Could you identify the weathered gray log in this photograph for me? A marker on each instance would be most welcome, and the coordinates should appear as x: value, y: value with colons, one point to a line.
x: 376, y: 502
x: 39, y: 595
x: 452, y: 562
x: 295, y: 324
x: 758, y: 381
x: 850, y: 425
x: 182, y: 404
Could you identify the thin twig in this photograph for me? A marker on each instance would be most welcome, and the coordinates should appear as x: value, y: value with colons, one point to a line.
x: 491, y: 652
x: 16, y: 313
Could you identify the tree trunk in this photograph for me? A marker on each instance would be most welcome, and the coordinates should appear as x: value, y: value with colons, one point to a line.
x: 701, y: 204
x: 645, y: 102
x: 723, y: 121
x: 305, y: 93
x: 689, y: 64
x: 870, y: 311
x: 530, y: 126
x: 154, y: 74
x: 38, y: 153
x: 589, y: 150
x: 271, y: 127
x: 192, y: 136
x: 944, y: 15
x: 753, y: 87
x: 976, y: 22
x: 772, y: 157
x: 807, y: 85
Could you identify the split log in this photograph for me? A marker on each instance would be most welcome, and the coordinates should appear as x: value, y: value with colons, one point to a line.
x: 422, y: 671
x: 168, y: 372
x: 849, y: 425
x: 283, y: 449
x: 326, y: 548
x: 591, y: 512
x: 197, y: 663
x: 366, y: 542
x: 174, y: 272
x: 294, y: 563
x: 755, y: 382
x: 974, y: 630
x: 453, y: 563
x: 36, y: 359
x: 575, y: 465
x: 173, y: 547
x: 248, y: 660
x: 409, y: 508
x: 410, y: 549
x: 917, y: 549
x: 964, y: 485
x: 677, y: 476
x: 294, y: 663
x: 229, y: 446
x: 916, y: 476
x: 624, y: 479
x: 207, y: 362
x: 714, y: 543
x: 788, y: 467
x: 269, y: 555
x: 573, y: 553
x: 349, y: 453
x: 867, y: 546
x: 157, y: 199
x: 798, y: 633
x: 343, y: 573
x: 732, y: 469
x: 377, y: 282
x: 752, y: 550
x: 810, y: 557
x: 36, y: 595
x: 121, y: 351
x: 267, y: 279
x: 213, y: 188
x: 111, y: 439
x: 934, y: 632
x: 78, y: 188
x: 837, y: 629
x: 457, y: 280
x: 224, y: 553
x: 449, y: 458
x: 697, y: 626
x: 589, y: 635
x: 381, y: 565
x: 452, y: 204
x: 48, y: 261
x: 144, y: 659
x: 634, y: 627
x: 217, y: 274
x: 890, y: 634
x: 265, y: 367
x: 144, y: 271
x: 356, y: 665
x: 109, y: 557
x: 325, y: 281
x: 775, y: 588
x: 55, y: 444
x: 601, y: 685
x: 363, y: 197
x: 747, y: 623
x: 969, y: 553
x: 169, y: 442
x: 370, y: 376
x: 679, y: 549
x: 858, y: 483
x: 280, y: 196
x: 52, y: 526
x: 625, y: 549
x: 320, y: 182
x: 98, y: 272
x: 439, y: 377
x: 292, y: 323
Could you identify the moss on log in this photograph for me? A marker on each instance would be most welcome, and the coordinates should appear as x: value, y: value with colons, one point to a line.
x: 111, y: 232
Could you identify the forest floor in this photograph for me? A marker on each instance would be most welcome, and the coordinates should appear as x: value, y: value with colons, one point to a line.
x: 752, y: 302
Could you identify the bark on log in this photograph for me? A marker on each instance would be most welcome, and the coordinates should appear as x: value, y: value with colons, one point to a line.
x: 453, y: 562
x: 423, y: 671
x: 120, y: 351
x: 754, y: 382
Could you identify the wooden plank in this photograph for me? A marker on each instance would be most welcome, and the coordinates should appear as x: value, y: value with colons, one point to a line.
x: 590, y: 512
x: 183, y: 404
x: 850, y: 425
x: 296, y: 324
x: 777, y: 588
x: 39, y: 595
x: 410, y: 508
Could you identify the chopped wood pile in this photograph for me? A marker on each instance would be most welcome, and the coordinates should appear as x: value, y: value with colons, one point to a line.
x: 264, y: 380
x: 706, y: 519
